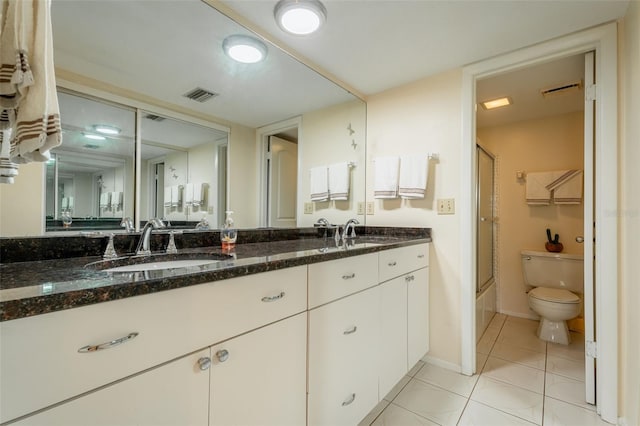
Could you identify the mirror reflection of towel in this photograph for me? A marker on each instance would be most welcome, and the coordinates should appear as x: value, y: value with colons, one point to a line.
x: 167, y: 196
x: 339, y: 181
x: 319, y: 183
x: 105, y: 200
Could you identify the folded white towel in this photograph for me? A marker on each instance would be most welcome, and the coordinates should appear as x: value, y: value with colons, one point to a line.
x: 8, y: 169
x: 200, y: 193
x: 105, y: 200
x: 339, y: 181
x: 319, y: 182
x: 35, y: 115
x: 167, y: 196
x: 537, y: 193
x: 116, y: 200
x: 65, y: 203
x: 413, y: 177
x: 188, y: 194
x: 176, y: 195
x: 386, y: 170
x: 568, y: 190
x: 70, y: 203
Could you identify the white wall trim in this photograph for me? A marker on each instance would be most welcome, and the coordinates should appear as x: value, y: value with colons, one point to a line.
x: 603, y: 40
x: 441, y: 363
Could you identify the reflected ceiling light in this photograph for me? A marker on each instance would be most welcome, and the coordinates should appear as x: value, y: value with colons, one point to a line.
x: 106, y: 129
x: 496, y: 103
x: 300, y: 17
x: 93, y: 137
x: 245, y: 49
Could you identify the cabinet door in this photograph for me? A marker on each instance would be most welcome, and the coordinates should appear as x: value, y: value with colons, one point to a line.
x: 260, y: 378
x: 343, y: 379
x: 392, y: 345
x: 176, y: 393
x: 418, y: 315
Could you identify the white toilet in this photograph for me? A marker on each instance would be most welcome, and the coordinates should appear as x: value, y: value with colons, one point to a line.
x: 558, y: 279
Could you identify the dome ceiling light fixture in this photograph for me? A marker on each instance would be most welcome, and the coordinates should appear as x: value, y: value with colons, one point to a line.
x: 245, y: 49
x: 93, y: 137
x: 300, y: 17
x: 106, y: 129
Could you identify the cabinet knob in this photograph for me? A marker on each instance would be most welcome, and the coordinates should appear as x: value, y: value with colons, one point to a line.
x: 222, y: 355
x: 350, y: 330
x: 394, y: 263
x: 267, y: 299
x: 409, y: 278
x: 420, y: 256
x: 349, y: 400
x: 204, y: 363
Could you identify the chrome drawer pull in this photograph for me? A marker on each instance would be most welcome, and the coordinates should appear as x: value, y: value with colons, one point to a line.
x: 222, y: 355
x: 409, y: 278
x: 348, y: 277
x: 420, y: 256
x: 349, y: 400
x: 394, y: 263
x: 108, y: 345
x: 350, y: 330
x: 273, y: 298
x: 204, y: 363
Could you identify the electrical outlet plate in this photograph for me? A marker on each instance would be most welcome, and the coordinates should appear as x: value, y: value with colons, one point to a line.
x: 210, y: 210
x: 360, y: 207
x: 308, y: 208
x: 446, y: 206
x: 370, y: 207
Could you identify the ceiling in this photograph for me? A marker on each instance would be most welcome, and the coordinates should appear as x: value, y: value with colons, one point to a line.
x: 375, y: 45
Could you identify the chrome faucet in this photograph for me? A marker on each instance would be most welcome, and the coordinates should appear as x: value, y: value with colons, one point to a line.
x: 350, y: 226
x: 322, y: 222
x: 143, y: 247
x: 127, y: 224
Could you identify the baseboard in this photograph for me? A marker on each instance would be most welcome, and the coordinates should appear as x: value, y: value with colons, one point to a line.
x: 519, y: 315
x: 441, y: 363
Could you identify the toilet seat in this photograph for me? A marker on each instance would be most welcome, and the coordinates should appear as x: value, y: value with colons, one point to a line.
x: 556, y: 295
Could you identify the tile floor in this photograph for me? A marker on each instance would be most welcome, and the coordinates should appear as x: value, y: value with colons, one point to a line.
x: 521, y: 381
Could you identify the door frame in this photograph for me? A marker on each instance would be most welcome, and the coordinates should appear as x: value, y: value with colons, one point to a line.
x: 262, y: 139
x: 603, y: 40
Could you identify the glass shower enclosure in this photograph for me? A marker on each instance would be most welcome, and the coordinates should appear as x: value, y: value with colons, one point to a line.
x: 485, y: 220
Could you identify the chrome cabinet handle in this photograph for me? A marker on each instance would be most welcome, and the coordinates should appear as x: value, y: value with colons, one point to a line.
x: 349, y: 400
x: 348, y: 277
x: 108, y: 345
x: 222, y: 355
x: 204, y: 363
x: 350, y: 330
x: 527, y: 258
x: 394, y: 263
x: 409, y: 278
x: 273, y: 298
x: 420, y: 256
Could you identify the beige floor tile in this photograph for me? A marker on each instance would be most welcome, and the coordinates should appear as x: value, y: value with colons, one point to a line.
x: 515, y: 374
x: 522, y: 356
x: 523, y: 341
x: 395, y: 415
x: 574, y: 350
x: 486, y: 342
x: 481, y: 359
x: 431, y: 402
x: 476, y: 414
x: 397, y: 388
x: 566, y: 367
x: 566, y: 389
x: 414, y: 370
x: 510, y: 399
x: 558, y: 413
x: 373, y: 414
x: 447, y: 379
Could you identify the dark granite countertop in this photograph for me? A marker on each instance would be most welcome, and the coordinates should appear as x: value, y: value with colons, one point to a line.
x: 49, y: 285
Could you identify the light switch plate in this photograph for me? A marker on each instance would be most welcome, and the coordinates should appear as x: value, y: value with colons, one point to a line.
x: 370, y: 207
x: 360, y: 207
x: 308, y: 208
x: 446, y: 206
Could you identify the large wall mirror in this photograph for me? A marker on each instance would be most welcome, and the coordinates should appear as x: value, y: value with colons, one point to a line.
x: 133, y: 64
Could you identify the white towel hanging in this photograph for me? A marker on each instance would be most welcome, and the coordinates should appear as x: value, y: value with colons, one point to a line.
x: 386, y: 175
x: 413, y: 177
x: 339, y: 181
x: 319, y: 183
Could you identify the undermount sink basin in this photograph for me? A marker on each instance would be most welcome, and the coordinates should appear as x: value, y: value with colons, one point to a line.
x: 160, y: 265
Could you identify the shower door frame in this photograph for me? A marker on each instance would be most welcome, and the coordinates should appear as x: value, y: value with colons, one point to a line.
x: 479, y: 218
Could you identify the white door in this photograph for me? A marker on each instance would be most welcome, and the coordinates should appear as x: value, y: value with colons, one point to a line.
x: 589, y: 282
x: 282, y: 181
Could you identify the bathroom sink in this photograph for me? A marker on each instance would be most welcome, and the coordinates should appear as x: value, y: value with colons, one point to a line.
x: 160, y: 265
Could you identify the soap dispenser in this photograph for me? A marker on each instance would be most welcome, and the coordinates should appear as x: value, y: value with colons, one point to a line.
x: 228, y: 234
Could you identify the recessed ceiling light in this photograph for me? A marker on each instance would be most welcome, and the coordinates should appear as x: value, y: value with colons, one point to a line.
x: 106, y: 129
x: 94, y: 137
x: 496, y: 103
x: 300, y: 17
x: 245, y: 49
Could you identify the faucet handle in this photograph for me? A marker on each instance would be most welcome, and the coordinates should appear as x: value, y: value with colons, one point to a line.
x: 110, y: 251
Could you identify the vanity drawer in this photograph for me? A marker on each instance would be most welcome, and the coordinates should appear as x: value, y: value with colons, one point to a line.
x: 334, y: 279
x: 396, y: 262
x: 40, y: 359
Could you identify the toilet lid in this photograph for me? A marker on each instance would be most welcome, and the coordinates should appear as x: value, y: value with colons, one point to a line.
x: 557, y: 295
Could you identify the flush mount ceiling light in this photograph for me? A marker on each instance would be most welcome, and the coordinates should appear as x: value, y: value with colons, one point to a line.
x: 106, y: 129
x: 300, y: 17
x: 93, y: 137
x: 245, y: 49
x: 496, y: 103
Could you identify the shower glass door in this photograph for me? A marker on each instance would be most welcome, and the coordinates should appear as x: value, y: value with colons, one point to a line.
x: 485, y: 200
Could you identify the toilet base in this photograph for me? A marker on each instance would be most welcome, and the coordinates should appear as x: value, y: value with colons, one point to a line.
x: 554, y: 331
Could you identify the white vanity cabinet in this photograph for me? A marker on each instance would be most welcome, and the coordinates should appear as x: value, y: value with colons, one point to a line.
x: 404, y: 312
x: 176, y: 393
x: 260, y: 378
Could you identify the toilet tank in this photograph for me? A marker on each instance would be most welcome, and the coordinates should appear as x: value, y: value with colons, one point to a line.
x: 555, y: 270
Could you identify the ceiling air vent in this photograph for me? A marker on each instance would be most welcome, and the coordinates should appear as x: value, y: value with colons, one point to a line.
x: 200, y: 95
x: 154, y: 117
x: 91, y: 146
x: 562, y: 89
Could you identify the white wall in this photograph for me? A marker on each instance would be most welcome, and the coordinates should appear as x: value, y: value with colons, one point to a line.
x: 22, y: 203
x: 553, y: 143
x: 416, y: 119
x: 242, y: 176
x: 629, y: 211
